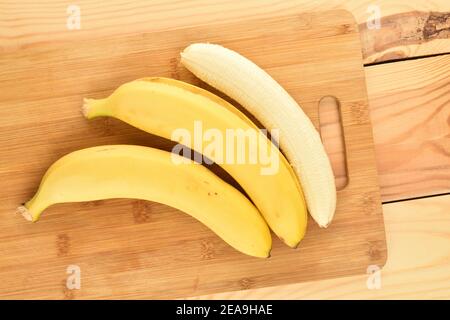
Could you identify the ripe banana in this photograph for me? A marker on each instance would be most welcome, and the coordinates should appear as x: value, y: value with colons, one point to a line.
x: 125, y: 171
x: 261, y: 95
x: 161, y: 106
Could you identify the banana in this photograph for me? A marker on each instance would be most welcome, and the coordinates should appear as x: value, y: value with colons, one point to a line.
x: 161, y: 106
x: 261, y: 95
x: 125, y: 171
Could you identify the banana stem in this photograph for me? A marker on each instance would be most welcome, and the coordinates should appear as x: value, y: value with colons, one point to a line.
x: 25, y: 213
x: 94, y: 108
x: 32, y: 209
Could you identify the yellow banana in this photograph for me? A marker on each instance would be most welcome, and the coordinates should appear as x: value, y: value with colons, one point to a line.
x: 260, y: 94
x: 161, y: 106
x: 125, y: 171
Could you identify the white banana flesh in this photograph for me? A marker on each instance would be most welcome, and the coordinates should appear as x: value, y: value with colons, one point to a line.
x: 268, y: 101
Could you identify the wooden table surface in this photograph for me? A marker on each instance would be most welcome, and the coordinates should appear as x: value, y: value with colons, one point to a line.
x: 408, y: 83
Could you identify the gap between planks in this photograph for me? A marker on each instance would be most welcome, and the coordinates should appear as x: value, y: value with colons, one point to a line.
x: 409, y: 108
x: 418, y: 264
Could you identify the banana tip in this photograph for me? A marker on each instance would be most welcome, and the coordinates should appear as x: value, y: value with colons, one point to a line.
x: 25, y: 213
x: 295, y: 246
x: 324, y: 225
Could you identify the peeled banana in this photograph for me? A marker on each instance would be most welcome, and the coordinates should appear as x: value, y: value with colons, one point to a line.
x: 261, y: 95
x: 161, y: 106
x: 125, y: 171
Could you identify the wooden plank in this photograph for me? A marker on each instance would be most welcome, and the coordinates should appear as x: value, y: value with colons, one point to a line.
x: 409, y: 110
x: 418, y: 265
x: 40, y: 120
x: 406, y: 34
x: 408, y: 29
x: 16, y: 43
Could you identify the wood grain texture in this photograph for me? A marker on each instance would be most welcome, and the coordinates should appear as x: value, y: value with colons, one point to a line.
x: 408, y: 28
x: 410, y: 114
x: 418, y: 265
x: 406, y: 34
x: 410, y: 111
x: 140, y: 252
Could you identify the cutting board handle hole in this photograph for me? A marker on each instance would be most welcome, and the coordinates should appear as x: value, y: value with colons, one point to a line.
x: 331, y: 132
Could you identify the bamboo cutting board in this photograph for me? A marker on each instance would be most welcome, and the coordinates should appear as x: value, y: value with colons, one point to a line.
x: 137, y: 249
